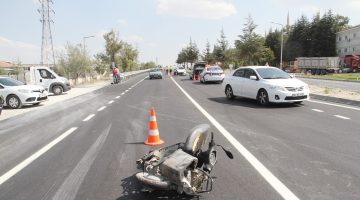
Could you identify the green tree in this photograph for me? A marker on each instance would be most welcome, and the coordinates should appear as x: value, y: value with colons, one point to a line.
x: 113, y: 45
x: 101, y: 63
x: 273, y: 41
x: 299, y: 41
x: 74, y: 62
x: 207, y: 56
x: 220, y: 48
x: 250, y: 45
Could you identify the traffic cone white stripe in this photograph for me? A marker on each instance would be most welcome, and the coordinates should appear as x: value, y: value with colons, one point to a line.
x: 153, y: 132
x: 153, y: 118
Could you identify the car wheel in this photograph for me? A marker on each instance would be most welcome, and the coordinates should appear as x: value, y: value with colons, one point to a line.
x: 262, y: 97
x: 57, y: 90
x: 13, y: 102
x: 229, y: 92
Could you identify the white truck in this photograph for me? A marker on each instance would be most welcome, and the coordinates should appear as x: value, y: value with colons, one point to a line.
x: 44, y: 76
x: 318, y: 65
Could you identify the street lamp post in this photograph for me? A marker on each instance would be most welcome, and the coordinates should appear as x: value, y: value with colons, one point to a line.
x: 91, y: 36
x: 282, y: 43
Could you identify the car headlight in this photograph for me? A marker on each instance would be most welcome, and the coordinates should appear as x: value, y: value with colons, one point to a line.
x: 277, y: 87
x: 24, y: 91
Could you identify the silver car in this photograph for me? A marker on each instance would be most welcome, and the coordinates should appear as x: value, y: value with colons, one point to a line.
x: 155, y: 73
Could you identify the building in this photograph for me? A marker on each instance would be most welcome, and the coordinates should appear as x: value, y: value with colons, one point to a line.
x: 348, y: 42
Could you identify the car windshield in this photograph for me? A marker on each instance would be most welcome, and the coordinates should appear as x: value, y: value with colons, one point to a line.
x: 272, y: 73
x: 10, y: 82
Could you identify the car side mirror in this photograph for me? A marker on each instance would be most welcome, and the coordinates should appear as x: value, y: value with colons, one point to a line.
x: 253, y: 78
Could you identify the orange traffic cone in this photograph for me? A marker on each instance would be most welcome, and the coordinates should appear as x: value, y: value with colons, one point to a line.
x: 153, y: 137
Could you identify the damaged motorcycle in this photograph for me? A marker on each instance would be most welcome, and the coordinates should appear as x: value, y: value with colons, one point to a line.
x: 184, y: 167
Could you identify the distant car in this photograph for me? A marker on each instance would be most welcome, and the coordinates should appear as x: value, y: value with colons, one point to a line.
x: 180, y: 71
x: 197, y: 69
x: 212, y: 74
x: 16, y: 94
x: 155, y: 73
x: 265, y: 84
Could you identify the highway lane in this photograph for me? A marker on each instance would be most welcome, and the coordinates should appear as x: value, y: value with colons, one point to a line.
x: 314, y: 153
x: 97, y: 159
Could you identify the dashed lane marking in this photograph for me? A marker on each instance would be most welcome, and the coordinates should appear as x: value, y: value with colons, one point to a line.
x: 110, y: 102
x: 316, y: 110
x: 102, y: 108
x: 88, y: 118
x: 117, y: 97
x: 341, y: 117
x: 34, y: 156
x: 263, y: 171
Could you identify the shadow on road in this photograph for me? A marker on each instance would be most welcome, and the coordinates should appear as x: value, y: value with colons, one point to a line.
x: 132, y: 190
x: 250, y: 103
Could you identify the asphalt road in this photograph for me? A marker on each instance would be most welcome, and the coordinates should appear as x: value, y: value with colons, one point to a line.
x: 86, y: 147
x: 353, y: 86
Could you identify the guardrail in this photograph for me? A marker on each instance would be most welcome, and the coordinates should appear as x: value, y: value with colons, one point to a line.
x: 127, y: 75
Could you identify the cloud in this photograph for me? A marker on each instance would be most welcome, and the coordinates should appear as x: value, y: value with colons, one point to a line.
x: 134, y: 39
x: 204, y: 9
x: 122, y: 22
x: 12, y: 50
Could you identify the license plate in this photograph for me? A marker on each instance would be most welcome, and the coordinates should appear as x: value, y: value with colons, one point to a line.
x: 298, y: 94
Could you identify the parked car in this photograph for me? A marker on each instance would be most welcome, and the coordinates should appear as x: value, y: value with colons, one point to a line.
x: 212, y: 74
x: 155, y: 73
x: 180, y: 71
x: 16, y: 93
x: 1, y: 103
x: 265, y: 84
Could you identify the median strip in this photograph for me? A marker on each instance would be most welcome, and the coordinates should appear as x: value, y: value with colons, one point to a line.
x: 33, y: 157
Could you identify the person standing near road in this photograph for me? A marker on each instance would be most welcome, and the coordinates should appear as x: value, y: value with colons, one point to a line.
x: 115, y: 72
x: 170, y: 70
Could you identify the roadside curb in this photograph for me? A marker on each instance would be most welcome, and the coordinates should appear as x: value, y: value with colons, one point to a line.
x: 327, y: 79
x: 335, y: 100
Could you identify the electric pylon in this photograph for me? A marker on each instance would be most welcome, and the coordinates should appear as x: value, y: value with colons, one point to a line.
x: 47, y: 47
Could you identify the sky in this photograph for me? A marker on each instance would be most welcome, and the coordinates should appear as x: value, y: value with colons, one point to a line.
x: 159, y: 29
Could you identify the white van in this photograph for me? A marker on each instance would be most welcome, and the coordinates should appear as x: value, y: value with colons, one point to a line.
x: 47, y: 78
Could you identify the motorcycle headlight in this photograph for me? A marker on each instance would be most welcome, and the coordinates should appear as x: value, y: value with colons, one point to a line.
x: 24, y: 91
x: 277, y: 87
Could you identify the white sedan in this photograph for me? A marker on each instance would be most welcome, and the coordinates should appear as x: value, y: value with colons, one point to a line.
x: 265, y: 84
x: 16, y: 94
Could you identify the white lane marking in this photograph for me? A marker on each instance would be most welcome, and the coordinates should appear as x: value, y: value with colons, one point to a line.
x: 88, y: 118
x: 129, y: 88
x: 126, y: 91
x: 72, y: 183
x: 264, y: 172
x: 110, y: 102
x: 122, y: 93
x: 332, y: 104
x: 33, y: 157
x: 341, y: 117
x: 102, y: 108
x: 316, y: 110
x: 117, y: 97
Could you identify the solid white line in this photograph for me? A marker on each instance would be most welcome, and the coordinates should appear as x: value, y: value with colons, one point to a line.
x: 129, y: 88
x: 331, y: 104
x: 88, y: 117
x: 117, y: 97
x: 264, y: 172
x: 102, y: 108
x: 110, y: 102
x: 33, y: 157
x: 341, y: 117
x: 316, y: 110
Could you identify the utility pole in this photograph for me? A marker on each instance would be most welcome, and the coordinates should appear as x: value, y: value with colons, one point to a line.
x: 47, y: 47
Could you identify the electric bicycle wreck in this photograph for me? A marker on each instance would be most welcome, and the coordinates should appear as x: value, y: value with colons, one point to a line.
x: 184, y: 167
